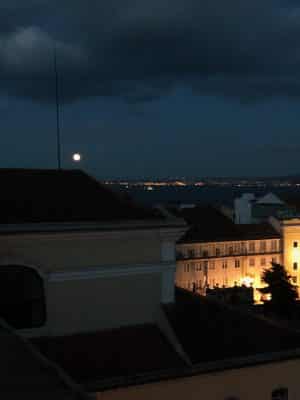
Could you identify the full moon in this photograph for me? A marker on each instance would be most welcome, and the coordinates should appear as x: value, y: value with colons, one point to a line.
x: 76, y: 157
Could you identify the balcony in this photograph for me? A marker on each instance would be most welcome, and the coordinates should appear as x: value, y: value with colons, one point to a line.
x: 242, y: 253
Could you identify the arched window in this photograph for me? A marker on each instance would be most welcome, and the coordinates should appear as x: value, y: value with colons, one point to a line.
x: 22, y: 298
x: 280, y: 394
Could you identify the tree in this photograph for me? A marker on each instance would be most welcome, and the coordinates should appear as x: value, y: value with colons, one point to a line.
x: 283, y: 292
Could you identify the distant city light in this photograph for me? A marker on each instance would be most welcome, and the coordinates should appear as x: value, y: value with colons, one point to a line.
x: 76, y: 157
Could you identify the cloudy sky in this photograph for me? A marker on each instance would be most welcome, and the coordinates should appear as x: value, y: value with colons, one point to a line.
x: 152, y: 88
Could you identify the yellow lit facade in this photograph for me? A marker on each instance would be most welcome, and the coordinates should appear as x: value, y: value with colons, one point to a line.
x: 290, y: 231
x: 227, y: 263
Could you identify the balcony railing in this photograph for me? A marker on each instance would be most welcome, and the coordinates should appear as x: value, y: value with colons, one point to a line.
x: 182, y: 256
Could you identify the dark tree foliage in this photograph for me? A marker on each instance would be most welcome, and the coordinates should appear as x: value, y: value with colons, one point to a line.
x: 283, y: 292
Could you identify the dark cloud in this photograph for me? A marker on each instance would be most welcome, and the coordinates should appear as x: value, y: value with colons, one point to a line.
x: 139, y: 50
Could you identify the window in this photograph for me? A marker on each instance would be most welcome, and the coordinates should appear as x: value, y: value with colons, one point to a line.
x: 263, y: 246
x: 204, y: 253
x: 186, y: 268
x: 205, y: 265
x: 280, y: 394
x: 295, y: 244
x: 218, y: 252
x: 224, y: 264
x: 198, y: 267
x: 212, y: 265
x: 295, y: 266
x: 252, y: 262
x: 262, y: 262
x: 22, y: 299
x: 230, y: 250
x: 294, y: 279
x: 237, y: 263
x: 252, y: 247
x: 236, y: 247
x: 191, y: 253
x: 274, y: 245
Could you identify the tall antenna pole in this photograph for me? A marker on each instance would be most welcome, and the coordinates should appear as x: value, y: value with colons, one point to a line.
x: 58, y: 143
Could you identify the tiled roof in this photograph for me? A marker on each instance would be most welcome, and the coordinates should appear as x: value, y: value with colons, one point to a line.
x: 31, y: 196
x: 24, y: 374
x: 207, y: 224
x: 114, y: 353
x: 210, y: 331
x: 258, y: 231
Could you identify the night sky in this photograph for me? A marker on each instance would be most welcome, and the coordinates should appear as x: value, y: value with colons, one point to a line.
x: 156, y: 88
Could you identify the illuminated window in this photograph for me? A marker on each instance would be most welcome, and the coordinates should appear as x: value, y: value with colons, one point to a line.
x: 237, y: 263
x: 280, y: 394
x: 295, y: 266
x: 262, y: 261
x: 295, y: 244
x: 252, y: 262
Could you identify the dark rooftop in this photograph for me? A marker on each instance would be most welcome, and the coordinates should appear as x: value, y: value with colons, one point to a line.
x: 212, y: 335
x: 210, y: 331
x: 24, y: 374
x: 32, y: 195
x: 109, y: 354
x: 207, y: 224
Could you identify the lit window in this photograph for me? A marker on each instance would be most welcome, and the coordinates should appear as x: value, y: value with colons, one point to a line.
x: 262, y: 261
x: 237, y: 263
x: 295, y: 266
x: 252, y: 262
x: 280, y: 394
x: 295, y: 244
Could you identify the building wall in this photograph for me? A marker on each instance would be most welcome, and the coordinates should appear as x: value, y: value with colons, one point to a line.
x: 227, y: 263
x: 61, y: 252
x: 246, y: 383
x: 97, y: 280
x: 97, y: 303
x: 291, y: 248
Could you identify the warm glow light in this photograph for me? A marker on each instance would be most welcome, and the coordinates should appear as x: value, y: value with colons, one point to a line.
x: 247, y: 281
x: 76, y: 157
